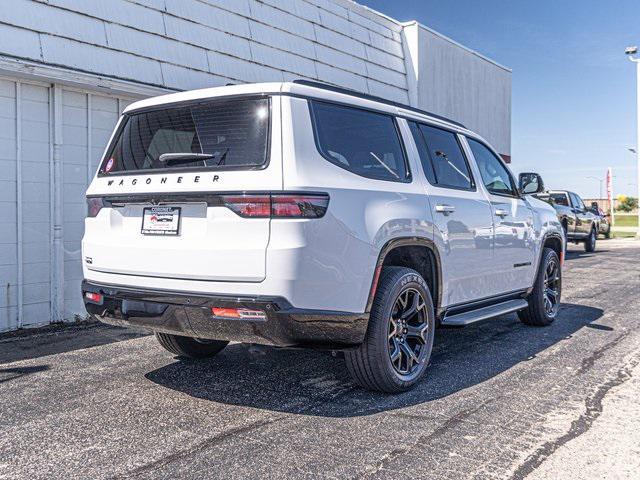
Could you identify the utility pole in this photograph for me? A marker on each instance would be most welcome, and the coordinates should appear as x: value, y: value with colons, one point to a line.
x: 631, y: 53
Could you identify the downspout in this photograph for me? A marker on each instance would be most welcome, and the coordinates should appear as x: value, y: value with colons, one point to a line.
x: 19, y: 210
x: 57, y: 247
x: 409, y: 37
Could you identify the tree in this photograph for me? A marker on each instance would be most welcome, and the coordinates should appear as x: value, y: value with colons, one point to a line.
x: 626, y: 204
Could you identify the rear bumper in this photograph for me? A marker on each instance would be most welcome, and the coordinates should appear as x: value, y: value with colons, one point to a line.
x: 190, y: 315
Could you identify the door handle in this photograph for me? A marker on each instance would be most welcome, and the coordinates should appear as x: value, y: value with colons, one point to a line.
x: 501, y: 213
x: 445, y: 209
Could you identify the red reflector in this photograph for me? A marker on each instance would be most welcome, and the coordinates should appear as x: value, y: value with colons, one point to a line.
x: 374, y: 286
x: 238, y: 313
x: 94, y: 297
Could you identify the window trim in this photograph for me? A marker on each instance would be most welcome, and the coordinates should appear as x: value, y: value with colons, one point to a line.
x: 408, y: 175
x: 473, y: 188
x: 514, y: 185
x: 170, y: 170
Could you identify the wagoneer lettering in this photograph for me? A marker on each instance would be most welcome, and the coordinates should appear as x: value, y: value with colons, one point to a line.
x: 344, y: 222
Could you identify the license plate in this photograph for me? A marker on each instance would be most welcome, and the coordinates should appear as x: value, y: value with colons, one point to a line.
x: 161, y: 221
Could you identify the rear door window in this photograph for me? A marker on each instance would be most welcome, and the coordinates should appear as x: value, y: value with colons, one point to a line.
x: 442, y: 159
x: 209, y: 135
x: 361, y: 141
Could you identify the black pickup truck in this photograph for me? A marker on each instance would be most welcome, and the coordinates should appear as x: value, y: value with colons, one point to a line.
x: 579, y: 223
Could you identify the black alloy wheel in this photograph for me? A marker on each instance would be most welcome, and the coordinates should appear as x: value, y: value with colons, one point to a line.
x: 551, y: 284
x: 408, y: 332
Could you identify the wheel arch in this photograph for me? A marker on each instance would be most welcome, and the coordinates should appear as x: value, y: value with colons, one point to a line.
x: 411, y: 252
x: 554, y: 241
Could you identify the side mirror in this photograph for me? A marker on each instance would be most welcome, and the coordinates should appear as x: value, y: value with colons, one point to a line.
x: 530, y: 183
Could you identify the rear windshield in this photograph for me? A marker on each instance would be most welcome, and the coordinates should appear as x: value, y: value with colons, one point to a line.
x: 216, y: 134
x: 559, y: 199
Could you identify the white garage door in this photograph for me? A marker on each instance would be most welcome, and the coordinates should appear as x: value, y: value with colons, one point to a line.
x: 27, y: 206
x: 88, y: 120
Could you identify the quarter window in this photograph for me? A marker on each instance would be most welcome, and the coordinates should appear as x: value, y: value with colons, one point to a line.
x: 442, y: 159
x: 363, y: 142
x: 495, y: 176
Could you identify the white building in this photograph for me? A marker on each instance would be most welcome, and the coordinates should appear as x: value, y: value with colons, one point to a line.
x: 69, y: 67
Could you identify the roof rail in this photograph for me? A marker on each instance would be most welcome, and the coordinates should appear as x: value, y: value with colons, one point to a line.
x: 367, y: 96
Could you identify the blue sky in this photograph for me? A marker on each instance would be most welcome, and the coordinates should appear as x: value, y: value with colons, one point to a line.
x: 573, y: 104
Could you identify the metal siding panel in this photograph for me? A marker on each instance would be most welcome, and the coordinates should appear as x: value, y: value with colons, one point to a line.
x: 283, y: 60
x: 283, y: 20
x: 95, y: 59
x: 209, y: 15
x: 119, y: 11
x: 155, y: 46
x: 207, y: 37
x: 283, y: 40
x: 42, y: 18
x: 242, y: 70
x: 22, y: 43
x: 185, y: 78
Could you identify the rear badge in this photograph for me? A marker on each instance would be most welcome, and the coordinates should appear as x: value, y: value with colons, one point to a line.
x: 88, y: 260
x: 109, y: 165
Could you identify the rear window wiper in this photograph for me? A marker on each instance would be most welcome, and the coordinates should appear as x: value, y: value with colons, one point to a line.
x: 176, y: 158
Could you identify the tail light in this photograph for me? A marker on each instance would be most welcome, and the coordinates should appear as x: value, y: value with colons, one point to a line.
x: 299, y: 206
x: 253, y: 206
x: 94, y: 205
x: 278, y: 205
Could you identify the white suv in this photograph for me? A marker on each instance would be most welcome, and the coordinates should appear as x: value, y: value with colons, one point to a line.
x: 299, y: 214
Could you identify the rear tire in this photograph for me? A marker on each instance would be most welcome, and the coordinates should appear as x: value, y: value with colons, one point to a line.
x: 397, y: 347
x: 190, y: 347
x: 590, y: 242
x: 540, y: 313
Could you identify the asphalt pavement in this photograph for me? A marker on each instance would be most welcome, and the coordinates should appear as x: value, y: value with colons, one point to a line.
x: 501, y: 400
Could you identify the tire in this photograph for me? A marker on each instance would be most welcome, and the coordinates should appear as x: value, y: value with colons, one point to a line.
x: 590, y: 242
x: 537, y: 313
x: 371, y: 364
x: 607, y: 234
x: 190, y: 347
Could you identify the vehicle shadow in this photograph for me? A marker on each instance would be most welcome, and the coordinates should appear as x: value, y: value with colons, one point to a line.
x: 317, y: 383
x: 575, y: 253
x: 55, y: 339
x: 7, y: 374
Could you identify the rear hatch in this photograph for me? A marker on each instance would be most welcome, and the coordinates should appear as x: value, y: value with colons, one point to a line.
x: 168, y: 198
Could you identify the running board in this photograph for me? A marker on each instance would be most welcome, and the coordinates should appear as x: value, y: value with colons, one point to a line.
x: 461, y: 319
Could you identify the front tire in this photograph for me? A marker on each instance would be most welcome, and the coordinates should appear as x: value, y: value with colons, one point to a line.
x: 399, y: 340
x: 544, y: 301
x: 190, y: 347
x: 590, y: 242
